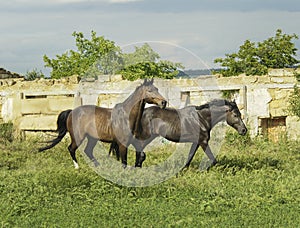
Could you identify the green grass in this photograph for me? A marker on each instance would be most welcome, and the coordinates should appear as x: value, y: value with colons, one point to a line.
x: 256, y: 183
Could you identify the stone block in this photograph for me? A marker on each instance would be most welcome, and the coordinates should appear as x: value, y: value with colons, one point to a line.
x: 277, y: 80
x: 277, y: 108
x: 34, y: 106
x: 293, y: 126
x: 60, y: 103
x: 284, y: 72
x: 37, y: 122
x: 116, y: 78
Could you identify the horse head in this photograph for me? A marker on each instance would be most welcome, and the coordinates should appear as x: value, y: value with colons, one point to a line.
x: 150, y: 94
x: 233, y: 117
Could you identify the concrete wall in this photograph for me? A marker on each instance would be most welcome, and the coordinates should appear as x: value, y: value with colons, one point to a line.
x: 34, y: 106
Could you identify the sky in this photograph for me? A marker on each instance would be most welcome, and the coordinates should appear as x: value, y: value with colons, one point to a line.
x: 193, y: 32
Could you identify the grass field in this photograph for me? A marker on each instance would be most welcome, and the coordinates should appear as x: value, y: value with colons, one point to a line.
x: 256, y: 183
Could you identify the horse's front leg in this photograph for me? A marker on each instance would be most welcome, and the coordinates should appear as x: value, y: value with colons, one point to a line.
x: 90, y: 148
x: 192, y: 152
x: 210, y: 155
x: 123, y: 154
x: 140, y: 156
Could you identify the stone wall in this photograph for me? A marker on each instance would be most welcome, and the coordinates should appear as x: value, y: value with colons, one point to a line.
x: 34, y: 105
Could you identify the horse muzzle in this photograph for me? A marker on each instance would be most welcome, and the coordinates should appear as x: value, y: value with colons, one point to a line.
x: 242, y: 131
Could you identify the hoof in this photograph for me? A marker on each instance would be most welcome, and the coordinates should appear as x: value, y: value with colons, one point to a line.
x: 96, y: 163
x: 76, y: 166
x: 185, y: 168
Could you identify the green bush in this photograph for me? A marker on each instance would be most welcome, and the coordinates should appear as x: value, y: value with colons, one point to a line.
x: 294, y: 102
x: 34, y: 74
x: 6, y: 132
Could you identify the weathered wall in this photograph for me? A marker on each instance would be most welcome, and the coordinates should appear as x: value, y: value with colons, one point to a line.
x: 262, y: 99
x: 34, y: 105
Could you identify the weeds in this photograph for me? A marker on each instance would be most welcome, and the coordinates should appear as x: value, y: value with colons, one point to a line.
x: 255, y: 184
x: 6, y: 132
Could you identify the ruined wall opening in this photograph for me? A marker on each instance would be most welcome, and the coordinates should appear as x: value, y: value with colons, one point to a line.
x: 230, y: 94
x: 185, y: 98
x: 273, y: 128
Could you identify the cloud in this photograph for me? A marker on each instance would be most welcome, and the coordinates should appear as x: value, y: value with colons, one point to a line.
x: 53, y: 2
x: 66, y: 1
x: 208, y: 28
x: 123, y: 1
x: 151, y: 6
x: 93, y: 1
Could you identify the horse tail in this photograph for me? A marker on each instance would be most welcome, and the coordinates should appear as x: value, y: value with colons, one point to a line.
x: 114, y: 149
x: 61, y: 129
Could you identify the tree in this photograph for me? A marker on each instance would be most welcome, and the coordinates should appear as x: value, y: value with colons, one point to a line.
x: 92, y: 57
x: 161, y: 69
x: 255, y: 59
x: 101, y: 56
x: 141, y: 54
x: 33, y: 74
x: 144, y: 63
x: 278, y: 51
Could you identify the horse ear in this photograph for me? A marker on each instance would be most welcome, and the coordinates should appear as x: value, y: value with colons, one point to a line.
x: 145, y: 83
x: 148, y: 81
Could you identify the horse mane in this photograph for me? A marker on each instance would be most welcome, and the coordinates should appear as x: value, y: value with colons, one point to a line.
x: 218, y: 103
x: 146, y: 82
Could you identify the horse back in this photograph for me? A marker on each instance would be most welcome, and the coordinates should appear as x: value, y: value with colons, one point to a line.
x: 177, y: 125
x: 91, y: 120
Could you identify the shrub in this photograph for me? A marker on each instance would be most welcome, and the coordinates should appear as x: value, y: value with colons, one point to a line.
x: 6, y: 132
x: 294, y: 100
x: 34, y: 74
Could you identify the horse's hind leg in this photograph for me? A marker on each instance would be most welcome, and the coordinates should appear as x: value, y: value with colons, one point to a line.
x: 89, y: 149
x: 72, y: 148
x: 210, y: 155
x: 192, y: 152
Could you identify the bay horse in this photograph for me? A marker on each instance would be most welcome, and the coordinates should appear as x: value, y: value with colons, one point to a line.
x: 189, y: 124
x: 117, y: 124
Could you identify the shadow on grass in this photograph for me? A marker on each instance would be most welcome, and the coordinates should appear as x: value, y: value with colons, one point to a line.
x: 249, y: 164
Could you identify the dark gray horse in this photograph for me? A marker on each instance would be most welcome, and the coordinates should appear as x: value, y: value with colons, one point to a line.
x: 190, y: 124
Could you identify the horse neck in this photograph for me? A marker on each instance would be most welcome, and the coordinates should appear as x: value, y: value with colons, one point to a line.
x: 133, y: 103
x: 137, y: 130
x: 212, y: 116
x: 134, y: 107
x: 217, y: 117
